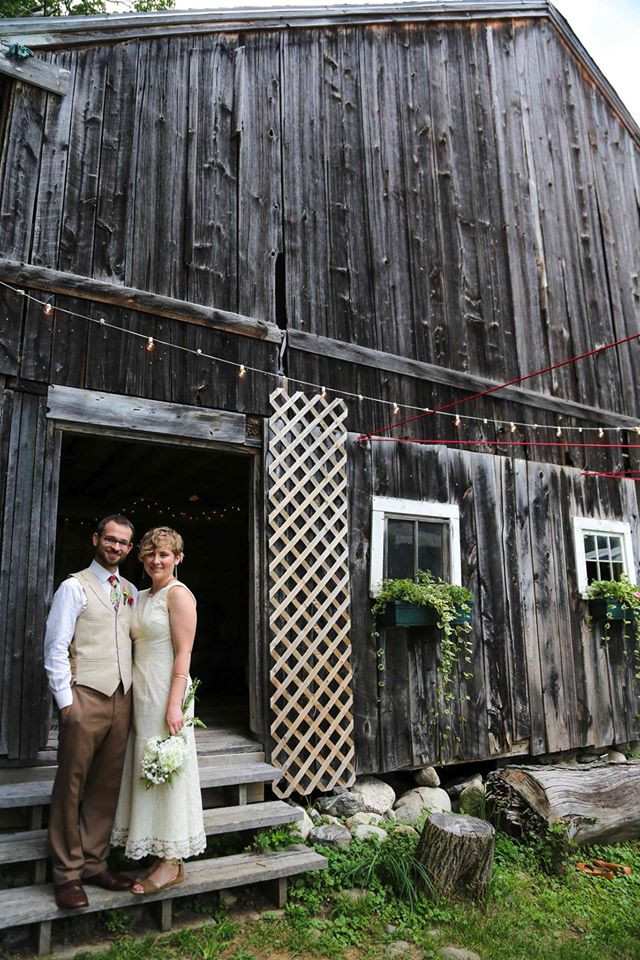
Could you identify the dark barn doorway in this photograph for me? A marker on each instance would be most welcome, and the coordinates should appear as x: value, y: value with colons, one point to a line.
x: 202, y: 493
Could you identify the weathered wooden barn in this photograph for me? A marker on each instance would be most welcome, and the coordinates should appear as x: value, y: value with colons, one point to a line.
x: 261, y: 230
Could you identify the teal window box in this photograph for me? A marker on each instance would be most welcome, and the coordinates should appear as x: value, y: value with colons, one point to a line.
x: 602, y: 609
x: 403, y: 613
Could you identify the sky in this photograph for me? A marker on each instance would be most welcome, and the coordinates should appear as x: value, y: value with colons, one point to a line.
x: 609, y: 29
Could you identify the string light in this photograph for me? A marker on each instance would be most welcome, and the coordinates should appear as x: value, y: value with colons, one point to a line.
x: 48, y: 309
x: 323, y: 393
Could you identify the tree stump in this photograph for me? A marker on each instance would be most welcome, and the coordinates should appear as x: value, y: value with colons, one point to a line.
x: 457, y: 853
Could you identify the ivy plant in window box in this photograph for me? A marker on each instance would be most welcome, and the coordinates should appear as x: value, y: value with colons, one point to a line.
x: 616, y: 600
x: 429, y: 601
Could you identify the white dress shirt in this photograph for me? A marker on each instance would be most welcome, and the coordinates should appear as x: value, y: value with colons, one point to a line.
x: 69, y: 601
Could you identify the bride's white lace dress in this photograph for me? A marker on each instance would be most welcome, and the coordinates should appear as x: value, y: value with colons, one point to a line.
x: 165, y: 820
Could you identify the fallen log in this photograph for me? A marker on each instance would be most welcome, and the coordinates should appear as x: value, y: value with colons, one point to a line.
x: 457, y: 853
x: 598, y: 802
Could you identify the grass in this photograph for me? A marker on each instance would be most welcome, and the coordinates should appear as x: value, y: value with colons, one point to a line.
x: 529, y: 913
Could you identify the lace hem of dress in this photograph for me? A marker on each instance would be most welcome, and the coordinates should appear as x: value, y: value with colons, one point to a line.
x: 157, y: 847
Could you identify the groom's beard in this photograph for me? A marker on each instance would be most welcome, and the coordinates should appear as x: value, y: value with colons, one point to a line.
x: 108, y: 557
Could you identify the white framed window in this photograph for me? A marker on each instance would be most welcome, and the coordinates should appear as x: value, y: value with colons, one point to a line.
x: 603, y: 550
x: 412, y: 535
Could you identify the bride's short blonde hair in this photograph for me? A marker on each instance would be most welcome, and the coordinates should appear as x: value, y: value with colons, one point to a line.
x: 160, y: 537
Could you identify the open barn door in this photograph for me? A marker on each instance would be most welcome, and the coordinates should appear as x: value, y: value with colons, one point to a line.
x: 310, y: 668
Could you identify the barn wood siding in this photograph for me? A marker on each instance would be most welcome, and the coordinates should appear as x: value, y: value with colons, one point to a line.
x: 29, y: 452
x: 542, y: 679
x: 448, y: 192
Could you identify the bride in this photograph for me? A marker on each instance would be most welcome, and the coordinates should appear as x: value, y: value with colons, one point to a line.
x: 166, y: 819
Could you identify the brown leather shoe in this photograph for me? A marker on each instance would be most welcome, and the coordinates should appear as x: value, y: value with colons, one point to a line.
x: 109, y: 881
x: 71, y: 895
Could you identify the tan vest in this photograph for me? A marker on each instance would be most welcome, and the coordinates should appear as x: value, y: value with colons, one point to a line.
x: 100, y: 652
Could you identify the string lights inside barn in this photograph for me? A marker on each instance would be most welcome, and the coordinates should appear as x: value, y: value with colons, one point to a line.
x: 460, y: 421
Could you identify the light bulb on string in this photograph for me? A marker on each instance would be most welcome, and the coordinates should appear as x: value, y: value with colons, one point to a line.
x: 513, y: 427
x: 323, y: 393
x: 47, y: 309
x: 457, y: 421
x: 558, y: 431
x: 600, y: 432
x: 396, y: 409
x: 242, y: 372
x: 150, y: 345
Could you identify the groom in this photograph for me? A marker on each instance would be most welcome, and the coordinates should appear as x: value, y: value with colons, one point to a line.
x: 87, y: 652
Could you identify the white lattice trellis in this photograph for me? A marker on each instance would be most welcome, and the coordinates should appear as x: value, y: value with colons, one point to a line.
x: 309, y: 594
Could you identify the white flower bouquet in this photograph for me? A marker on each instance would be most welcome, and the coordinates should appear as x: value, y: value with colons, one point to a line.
x: 164, y: 757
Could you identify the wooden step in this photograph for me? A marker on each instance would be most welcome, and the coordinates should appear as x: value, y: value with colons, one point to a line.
x: 28, y: 845
x: 38, y: 792
x: 36, y: 904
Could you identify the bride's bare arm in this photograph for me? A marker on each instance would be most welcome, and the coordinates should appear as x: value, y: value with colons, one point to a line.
x: 182, y: 620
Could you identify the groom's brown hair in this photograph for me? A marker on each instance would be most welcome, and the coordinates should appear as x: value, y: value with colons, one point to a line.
x: 115, y: 518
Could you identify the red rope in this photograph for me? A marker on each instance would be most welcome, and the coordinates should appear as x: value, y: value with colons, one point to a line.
x: 617, y: 475
x: 509, y: 443
x: 508, y: 383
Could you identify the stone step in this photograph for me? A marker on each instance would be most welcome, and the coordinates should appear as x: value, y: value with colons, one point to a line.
x: 36, y: 904
x: 212, y: 774
x: 29, y: 845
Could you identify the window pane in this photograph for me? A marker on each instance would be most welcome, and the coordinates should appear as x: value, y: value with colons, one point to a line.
x: 400, y: 549
x: 432, y: 548
x: 603, y: 547
x: 589, y: 547
x: 617, y: 570
x: 592, y: 572
x: 615, y: 547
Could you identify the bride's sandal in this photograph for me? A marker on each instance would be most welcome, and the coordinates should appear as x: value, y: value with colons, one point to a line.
x: 139, y: 877
x: 148, y: 886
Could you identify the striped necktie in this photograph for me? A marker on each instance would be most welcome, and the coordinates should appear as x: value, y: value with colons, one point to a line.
x: 114, y: 594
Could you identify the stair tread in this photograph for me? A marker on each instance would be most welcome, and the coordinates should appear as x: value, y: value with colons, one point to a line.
x: 27, y: 845
x: 36, y: 903
x: 35, y: 792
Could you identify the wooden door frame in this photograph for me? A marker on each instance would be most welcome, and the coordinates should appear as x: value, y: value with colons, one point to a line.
x: 117, y: 416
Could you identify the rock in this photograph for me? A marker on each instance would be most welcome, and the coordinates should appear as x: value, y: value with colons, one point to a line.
x: 366, y: 831
x: 472, y: 799
x: 399, y: 948
x: 427, y: 777
x: 331, y: 835
x: 389, y: 814
x: 410, y: 812
x: 433, y: 799
x: 634, y: 747
x: 353, y: 895
x: 343, y: 805
x: 455, y: 787
x: 390, y: 928
x: 228, y: 898
x: 313, y: 813
x: 377, y: 796
x: 302, y: 827
x: 405, y: 828
x: 326, y: 819
x: 586, y: 758
x: 614, y: 756
x: 457, y: 953
x: 363, y: 817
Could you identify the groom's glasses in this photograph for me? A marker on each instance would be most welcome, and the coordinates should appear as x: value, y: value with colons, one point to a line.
x: 117, y: 543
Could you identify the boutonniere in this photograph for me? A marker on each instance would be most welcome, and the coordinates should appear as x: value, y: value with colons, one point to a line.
x: 127, y: 596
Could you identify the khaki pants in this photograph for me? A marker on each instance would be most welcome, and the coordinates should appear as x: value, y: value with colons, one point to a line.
x: 91, y: 750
